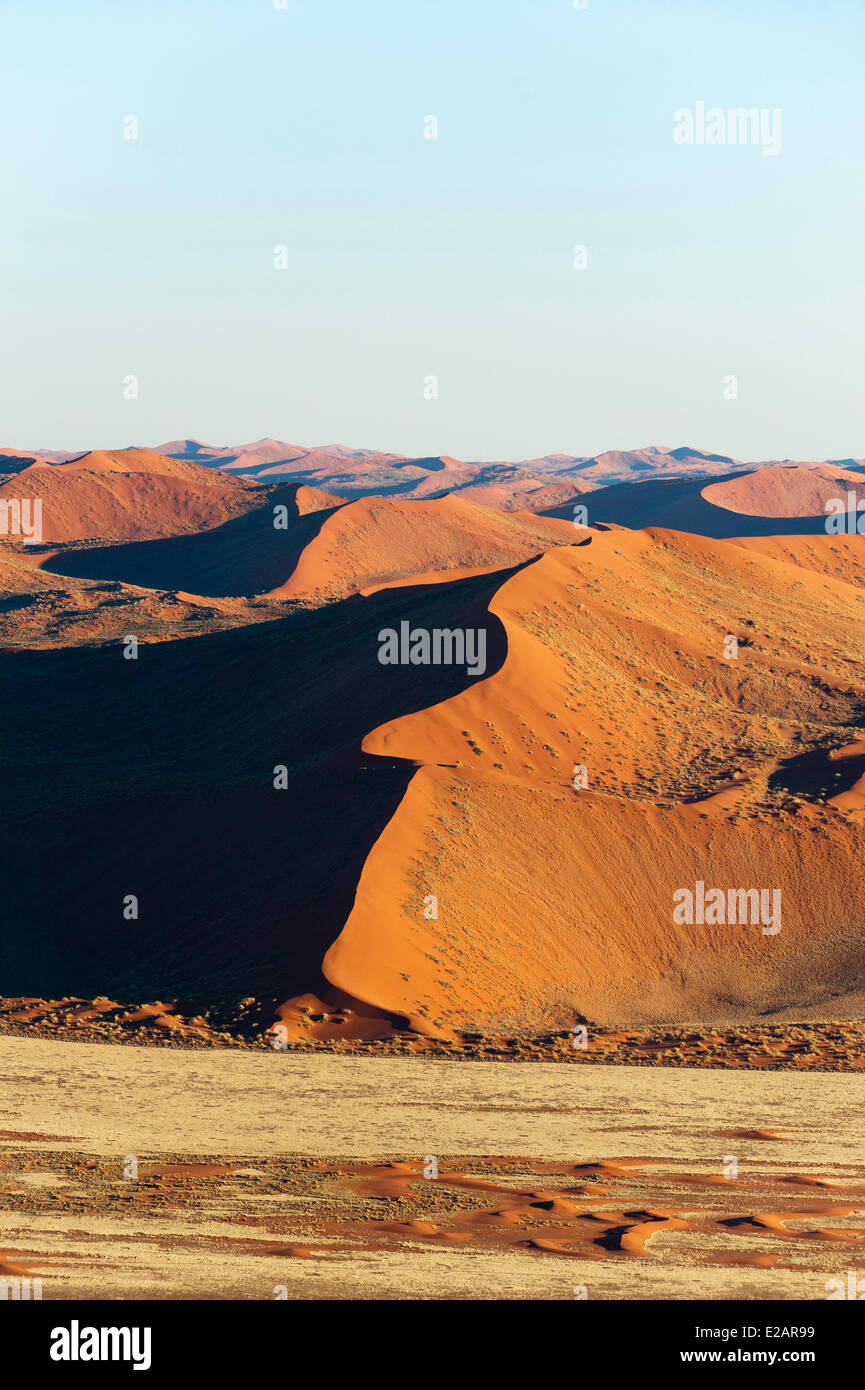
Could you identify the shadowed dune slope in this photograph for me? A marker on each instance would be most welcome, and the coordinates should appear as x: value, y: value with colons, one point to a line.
x: 38, y: 610
x: 246, y: 457
x: 15, y: 461
x: 245, y: 555
x: 328, y: 549
x: 607, y: 652
x: 155, y: 778
x: 767, y: 501
x: 556, y: 904
x: 270, y: 459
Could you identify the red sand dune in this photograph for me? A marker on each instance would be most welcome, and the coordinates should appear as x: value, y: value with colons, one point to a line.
x: 269, y: 459
x: 555, y: 904
x: 15, y: 461
x: 130, y: 494
x: 374, y: 541
x: 836, y: 557
x: 789, y: 499
x: 328, y: 548
x: 792, y: 491
x: 261, y: 453
x: 513, y: 490
x: 369, y: 471
x: 244, y: 555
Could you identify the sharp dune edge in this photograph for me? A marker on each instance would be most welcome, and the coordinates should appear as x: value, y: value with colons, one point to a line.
x: 785, y: 492
x: 372, y: 542
x: 555, y: 903
x: 243, y: 556
x: 788, y: 499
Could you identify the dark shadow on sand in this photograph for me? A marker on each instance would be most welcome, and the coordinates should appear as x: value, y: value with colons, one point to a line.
x: 155, y: 778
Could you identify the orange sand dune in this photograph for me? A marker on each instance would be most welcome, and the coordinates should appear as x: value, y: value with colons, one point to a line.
x: 556, y: 904
x: 130, y: 494
x: 614, y: 647
x: 15, y: 461
x: 839, y: 557
x: 784, y: 492
x: 374, y: 541
x: 326, y: 549
x: 239, y: 457
x: 789, y: 500
x: 41, y: 611
x: 368, y: 473
x: 359, y: 472
x: 553, y: 902
x: 219, y: 852
x: 243, y: 556
x: 527, y: 492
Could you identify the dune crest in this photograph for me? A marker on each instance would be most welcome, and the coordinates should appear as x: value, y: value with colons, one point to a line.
x: 130, y: 494
x: 555, y: 903
x: 373, y: 542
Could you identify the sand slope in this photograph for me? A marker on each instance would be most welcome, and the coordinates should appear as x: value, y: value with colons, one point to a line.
x: 785, y: 492
x: 373, y: 541
x: 129, y: 494
x: 247, y: 554
x: 605, y: 652
x: 838, y: 557
x: 326, y: 549
x: 556, y: 904
x: 788, y: 499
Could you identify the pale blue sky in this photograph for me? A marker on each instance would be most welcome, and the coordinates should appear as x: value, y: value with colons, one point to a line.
x: 410, y: 257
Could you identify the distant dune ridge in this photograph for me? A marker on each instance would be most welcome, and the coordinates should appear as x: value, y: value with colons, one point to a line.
x: 531, y: 484
x: 257, y: 579
x: 127, y: 494
x: 252, y: 552
x: 788, y: 499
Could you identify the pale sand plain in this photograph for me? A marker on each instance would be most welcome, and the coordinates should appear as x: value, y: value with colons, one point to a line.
x: 263, y: 1173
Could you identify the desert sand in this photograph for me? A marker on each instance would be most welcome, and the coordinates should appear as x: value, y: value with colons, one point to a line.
x: 263, y: 1174
x: 788, y: 499
x: 127, y: 494
x: 409, y: 785
x: 373, y: 541
x: 555, y: 904
x: 285, y: 808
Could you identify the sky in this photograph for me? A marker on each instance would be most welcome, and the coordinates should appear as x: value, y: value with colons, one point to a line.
x: 430, y: 299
